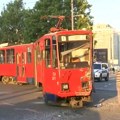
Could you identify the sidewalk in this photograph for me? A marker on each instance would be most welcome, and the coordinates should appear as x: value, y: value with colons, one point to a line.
x: 112, y: 75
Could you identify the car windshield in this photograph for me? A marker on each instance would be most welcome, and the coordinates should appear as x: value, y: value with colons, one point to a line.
x: 97, y: 66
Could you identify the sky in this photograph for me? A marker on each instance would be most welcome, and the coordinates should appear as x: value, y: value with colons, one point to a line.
x: 28, y: 3
x: 103, y: 11
x: 106, y: 11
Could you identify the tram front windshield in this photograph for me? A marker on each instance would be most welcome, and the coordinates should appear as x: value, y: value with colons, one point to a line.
x: 74, y: 51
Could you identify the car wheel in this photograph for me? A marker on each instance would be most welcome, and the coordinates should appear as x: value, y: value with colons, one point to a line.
x: 107, y: 78
x: 100, y: 78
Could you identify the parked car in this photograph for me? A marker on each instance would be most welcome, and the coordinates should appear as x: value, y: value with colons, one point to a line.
x: 101, y: 71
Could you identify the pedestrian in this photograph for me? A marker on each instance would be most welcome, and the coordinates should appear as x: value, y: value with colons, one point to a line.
x: 113, y: 69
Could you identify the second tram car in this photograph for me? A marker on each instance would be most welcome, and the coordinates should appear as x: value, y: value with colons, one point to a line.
x: 17, y: 64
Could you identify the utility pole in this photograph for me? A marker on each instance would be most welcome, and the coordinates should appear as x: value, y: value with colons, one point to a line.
x: 72, y: 15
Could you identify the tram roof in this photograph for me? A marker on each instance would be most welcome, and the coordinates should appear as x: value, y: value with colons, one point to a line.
x: 69, y: 32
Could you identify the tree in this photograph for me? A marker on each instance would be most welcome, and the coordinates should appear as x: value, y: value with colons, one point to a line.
x: 12, y: 22
x: 82, y: 10
x: 45, y: 8
x: 20, y: 25
x: 61, y: 7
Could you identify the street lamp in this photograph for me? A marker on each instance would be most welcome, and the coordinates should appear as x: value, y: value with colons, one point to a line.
x: 72, y: 16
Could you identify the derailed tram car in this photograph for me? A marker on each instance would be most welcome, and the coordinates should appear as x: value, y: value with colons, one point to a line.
x: 64, y: 66
x: 16, y: 64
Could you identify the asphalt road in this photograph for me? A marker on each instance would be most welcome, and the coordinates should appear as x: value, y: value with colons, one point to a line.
x: 26, y: 103
x: 107, y: 85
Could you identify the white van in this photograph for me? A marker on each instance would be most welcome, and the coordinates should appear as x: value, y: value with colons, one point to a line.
x: 101, y: 71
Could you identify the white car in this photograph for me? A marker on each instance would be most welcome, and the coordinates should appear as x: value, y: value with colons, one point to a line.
x: 101, y: 71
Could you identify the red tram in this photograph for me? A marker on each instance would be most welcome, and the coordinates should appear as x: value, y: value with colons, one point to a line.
x: 60, y: 61
x: 17, y: 63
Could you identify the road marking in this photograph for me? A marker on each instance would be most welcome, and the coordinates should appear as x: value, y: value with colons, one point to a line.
x: 105, y: 86
x: 6, y: 103
x: 27, y: 109
x: 4, y: 92
x: 40, y: 102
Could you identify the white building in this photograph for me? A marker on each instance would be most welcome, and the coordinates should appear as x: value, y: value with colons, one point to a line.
x: 108, y: 38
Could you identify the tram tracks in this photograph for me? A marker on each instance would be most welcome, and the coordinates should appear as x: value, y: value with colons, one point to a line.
x: 13, y: 97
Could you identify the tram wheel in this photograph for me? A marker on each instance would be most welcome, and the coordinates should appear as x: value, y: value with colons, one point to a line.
x: 5, y: 80
x: 12, y: 81
x: 76, y: 104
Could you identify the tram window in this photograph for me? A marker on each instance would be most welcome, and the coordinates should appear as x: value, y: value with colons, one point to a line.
x: 10, y: 56
x: 47, y: 42
x: 38, y: 53
x: 42, y: 54
x: 54, y: 53
x: 23, y: 58
x: 2, y: 56
x: 29, y: 56
x: 23, y: 71
x: 47, y: 52
x: 17, y: 58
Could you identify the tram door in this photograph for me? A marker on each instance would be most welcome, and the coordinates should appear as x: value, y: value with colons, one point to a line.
x: 21, y: 73
x: 51, y: 64
x: 38, y: 64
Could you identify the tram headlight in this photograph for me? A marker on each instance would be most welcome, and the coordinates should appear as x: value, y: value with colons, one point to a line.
x: 65, y: 86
